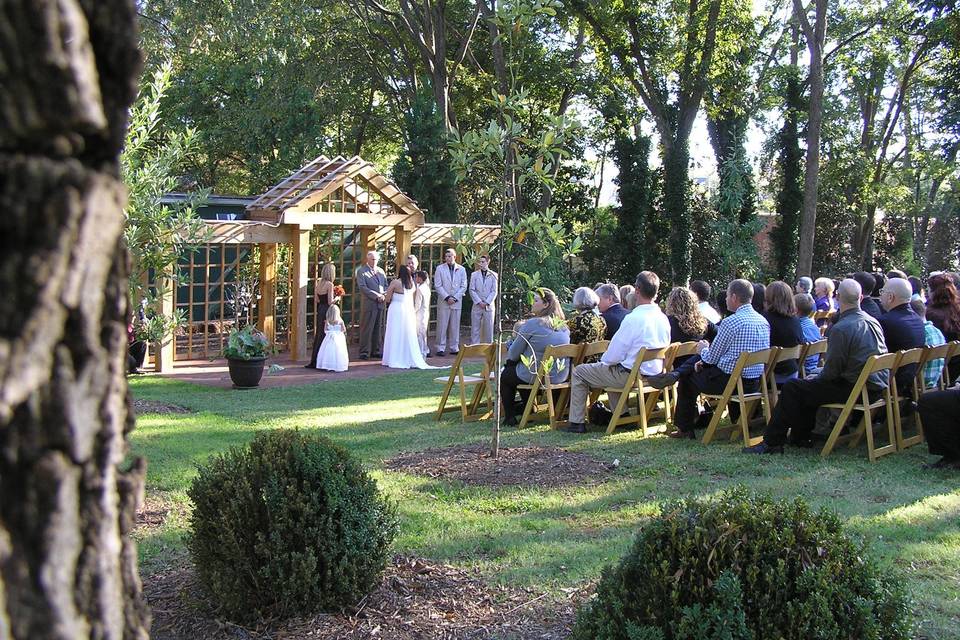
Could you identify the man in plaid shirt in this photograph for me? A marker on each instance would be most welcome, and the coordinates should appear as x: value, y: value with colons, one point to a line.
x: 933, y: 337
x: 743, y: 331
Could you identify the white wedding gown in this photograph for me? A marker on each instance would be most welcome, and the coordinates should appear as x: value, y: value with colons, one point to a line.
x: 401, y: 348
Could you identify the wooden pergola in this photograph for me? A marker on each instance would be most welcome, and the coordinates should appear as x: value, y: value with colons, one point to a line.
x: 326, y: 193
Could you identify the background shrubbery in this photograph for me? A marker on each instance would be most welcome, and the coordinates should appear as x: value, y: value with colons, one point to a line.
x: 289, y: 524
x: 744, y: 567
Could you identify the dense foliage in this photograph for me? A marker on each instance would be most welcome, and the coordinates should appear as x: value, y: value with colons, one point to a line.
x: 288, y: 525
x: 745, y: 567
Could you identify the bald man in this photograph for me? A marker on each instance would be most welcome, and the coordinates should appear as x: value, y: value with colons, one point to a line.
x: 902, y: 327
x: 854, y: 337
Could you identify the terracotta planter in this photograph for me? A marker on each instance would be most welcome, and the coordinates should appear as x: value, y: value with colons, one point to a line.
x: 246, y: 374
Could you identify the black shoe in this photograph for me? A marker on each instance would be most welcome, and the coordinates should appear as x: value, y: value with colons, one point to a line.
x: 377, y: 355
x: 803, y: 443
x: 440, y: 354
x: 309, y: 366
x: 763, y: 447
x: 575, y: 427
x: 662, y: 380
x: 363, y: 357
x: 943, y: 463
x: 510, y: 422
x: 678, y: 434
x: 453, y: 353
x: 136, y: 372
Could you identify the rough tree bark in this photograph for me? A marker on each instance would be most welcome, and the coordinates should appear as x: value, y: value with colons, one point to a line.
x: 815, y: 35
x: 67, y: 565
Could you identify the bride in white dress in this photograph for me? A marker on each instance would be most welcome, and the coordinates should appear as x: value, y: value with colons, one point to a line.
x: 401, y: 348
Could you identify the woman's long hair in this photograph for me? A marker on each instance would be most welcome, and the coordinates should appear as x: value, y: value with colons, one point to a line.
x: 406, y: 279
x: 943, y: 295
x: 328, y: 273
x: 779, y: 299
x: 552, y: 309
x: 682, y: 305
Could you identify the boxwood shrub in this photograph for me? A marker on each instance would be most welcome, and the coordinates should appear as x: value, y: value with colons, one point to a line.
x: 290, y: 524
x: 745, y: 567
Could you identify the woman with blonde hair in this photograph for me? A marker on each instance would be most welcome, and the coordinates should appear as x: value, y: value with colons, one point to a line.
x: 629, y: 301
x: 325, y: 297
x: 823, y: 294
x: 533, y: 336
x: 687, y: 322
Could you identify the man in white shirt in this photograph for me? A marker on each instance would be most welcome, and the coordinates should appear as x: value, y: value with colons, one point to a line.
x: 644, y: 326
x: 702, y: 290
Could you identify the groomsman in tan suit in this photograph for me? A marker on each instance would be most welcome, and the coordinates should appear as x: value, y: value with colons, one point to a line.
x: 483, y: 292
x: 450, y: 283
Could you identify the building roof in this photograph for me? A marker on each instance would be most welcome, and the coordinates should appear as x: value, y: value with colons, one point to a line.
x: 337, y: 191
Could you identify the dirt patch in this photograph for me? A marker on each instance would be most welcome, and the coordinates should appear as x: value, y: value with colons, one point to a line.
x: 529, y: 466
x: 153, y: 513
x: 416, y: 600
x: 141, y: 407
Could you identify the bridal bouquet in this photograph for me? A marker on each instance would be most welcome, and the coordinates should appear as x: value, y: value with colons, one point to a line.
x: 339, y: 291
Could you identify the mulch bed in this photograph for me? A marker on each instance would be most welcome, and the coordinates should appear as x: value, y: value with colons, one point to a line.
x: 526, y: 466
x: 151, y: 406
x: 415, y: 600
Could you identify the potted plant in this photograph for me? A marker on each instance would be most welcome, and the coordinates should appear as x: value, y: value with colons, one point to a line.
x: 246, y: 353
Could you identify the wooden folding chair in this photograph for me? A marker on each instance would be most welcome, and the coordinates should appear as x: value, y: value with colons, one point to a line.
x: 939, y: 352
x: 859, y: 400
x: 568, y: 353
x: 591, y: 349
x: 897, y: 395
x: 734, y: 392
x: 562, y: 405
x: 680, y: 350
x: 954, y: 353
x: 809, y: 349
x: 783, y: 354
x: 480, y: 383
x: 646, y: 396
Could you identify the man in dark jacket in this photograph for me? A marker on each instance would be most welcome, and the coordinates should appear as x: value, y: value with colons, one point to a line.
x: 902, y: 327
x: 940, y: 412
x: 854, y: 337
x: 867, y: 283
x: 610, y: 308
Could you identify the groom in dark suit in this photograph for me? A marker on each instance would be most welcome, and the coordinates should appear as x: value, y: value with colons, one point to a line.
x: 373, y: 283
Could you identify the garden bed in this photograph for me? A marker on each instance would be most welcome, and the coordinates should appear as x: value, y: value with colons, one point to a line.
x: 416, y: 599
x: 527, y: 466
x: 141, y: 407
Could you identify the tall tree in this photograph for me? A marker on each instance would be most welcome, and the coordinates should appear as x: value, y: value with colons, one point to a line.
x: 665, y: 51
x: 815, y: 34
x: 67, y: 505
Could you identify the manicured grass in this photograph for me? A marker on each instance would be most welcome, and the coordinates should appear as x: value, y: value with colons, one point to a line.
x: 550, y: 538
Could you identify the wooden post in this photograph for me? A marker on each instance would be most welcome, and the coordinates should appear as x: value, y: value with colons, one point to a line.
x: 164, y: 352
x: 266, y: 310
x: 402, y: 239
x: 300, y: 239
x: 367, y: 235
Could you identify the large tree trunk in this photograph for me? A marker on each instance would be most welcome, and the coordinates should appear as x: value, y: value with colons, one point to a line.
x: 67, y: 565
x: 816, y: 35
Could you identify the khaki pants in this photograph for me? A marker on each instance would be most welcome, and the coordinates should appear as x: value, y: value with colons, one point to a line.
x: 596, y: 375
x: 448, y: 327
x: 481, y: 325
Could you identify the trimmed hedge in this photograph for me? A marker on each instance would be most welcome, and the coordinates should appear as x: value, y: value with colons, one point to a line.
x: 290, y: 524
x: 745, y: 567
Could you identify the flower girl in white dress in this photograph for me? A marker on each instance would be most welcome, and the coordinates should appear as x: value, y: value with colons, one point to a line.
x: 332, y: 355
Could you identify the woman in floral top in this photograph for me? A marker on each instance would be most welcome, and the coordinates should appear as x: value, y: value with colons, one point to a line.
x: 585, y: 324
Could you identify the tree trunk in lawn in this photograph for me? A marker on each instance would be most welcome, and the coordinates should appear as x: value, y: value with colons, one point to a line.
x: 676, y: 204
x: 67, y: 565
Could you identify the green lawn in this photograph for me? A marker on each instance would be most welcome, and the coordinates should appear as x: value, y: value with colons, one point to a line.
x: 553, y: 538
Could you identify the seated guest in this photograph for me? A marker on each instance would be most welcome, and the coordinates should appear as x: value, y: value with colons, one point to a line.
x: 932, y: 337
x: 631, y: 301
x: 896, y: 273
x: 943, y: 310
x: 645, y: 326
x: 744, y: 330
x: 545, y: 328
x: 687, y: 324
x: 785, y: 330
x: 585, y: 324
x: 917, y: 287
x: 867, y: 283
x: 805, y: 308
x: 625, y: 292
x: 823, y: 294
x: 902, y: 328
x: 879, y: 280
x: 610, y: 308
x: 940, y: 413
x: 721, y: 300
x: 759, y: 297
x: 804, y: 285
x: 854, y: 337
x: 702, y: 290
